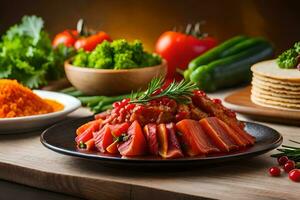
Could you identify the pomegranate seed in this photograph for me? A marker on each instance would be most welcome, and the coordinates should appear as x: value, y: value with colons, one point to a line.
x: 282, y: 160
x: 116, y: 104
x: 200, y: 93
x: 294, y: 175
x: 274, y: 171
x: 180, y: 116
x: 289, y: 166
x: 217, y: 101
x: 129, y: 107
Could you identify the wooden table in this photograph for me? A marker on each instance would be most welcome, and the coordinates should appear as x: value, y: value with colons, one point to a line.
x: 24, y: 160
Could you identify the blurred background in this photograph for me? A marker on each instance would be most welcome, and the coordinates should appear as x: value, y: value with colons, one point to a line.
x: 277, y: 20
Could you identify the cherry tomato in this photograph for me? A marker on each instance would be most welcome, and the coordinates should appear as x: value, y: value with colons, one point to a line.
x: 282, y: 160
x: 294, y: 175
x: 274, y: 171
x: 289, y: 165
x: 89, y: 43
x: 67, y: 37
x: 179, y: 49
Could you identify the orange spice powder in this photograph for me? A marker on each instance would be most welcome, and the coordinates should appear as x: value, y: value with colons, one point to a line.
x: 17, y: 101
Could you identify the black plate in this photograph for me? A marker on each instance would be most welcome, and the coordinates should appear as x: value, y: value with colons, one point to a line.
x: 60, y: 138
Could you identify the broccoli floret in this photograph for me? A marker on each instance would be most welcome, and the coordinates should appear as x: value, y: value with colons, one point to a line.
x: 150, y: 60
x: 288, y: 59
x: 81, y: 58
x: 120, y: 46
x: 117, y: 55
x: 138, y: 51
x: 297, y: 47
x: 124, y: 60
x: 102, y: 56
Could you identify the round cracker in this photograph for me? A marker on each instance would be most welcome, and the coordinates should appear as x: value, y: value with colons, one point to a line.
x: 276, y: 86
x: 270, y: 69
x: 266, y: 92
x: 275, y: 81
x: 274, y: 90
x: 273, y: 104
x: 278, y: 99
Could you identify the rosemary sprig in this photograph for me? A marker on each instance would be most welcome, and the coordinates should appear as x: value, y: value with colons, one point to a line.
x: 181, y: 92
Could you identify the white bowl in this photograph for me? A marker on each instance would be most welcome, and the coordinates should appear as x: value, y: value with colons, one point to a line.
x: 37, y: 122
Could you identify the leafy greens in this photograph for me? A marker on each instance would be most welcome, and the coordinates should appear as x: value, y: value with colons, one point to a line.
x: 26, y: 54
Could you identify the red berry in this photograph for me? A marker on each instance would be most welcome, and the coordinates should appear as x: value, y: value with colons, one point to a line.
x: 129, y: 107
x: 289, y: 165
x: 217, y: 101
x: 116, y: 104
x: 180, y: 116
x: 282, y: 160
x: 294, y: 175
x: 200, y: 93
x: 274, y: 171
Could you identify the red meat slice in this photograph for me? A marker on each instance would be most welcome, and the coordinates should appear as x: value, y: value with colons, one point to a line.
x: 135, y: 145
x: 218, y: 134
x: 196, y: 142
x: 103, y: 138
x: 174, y: 149
x: 150, y: 131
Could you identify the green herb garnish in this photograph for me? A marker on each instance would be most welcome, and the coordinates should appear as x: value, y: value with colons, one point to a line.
x: 181, y: 92
x: 81, y: 145
x: 122, y: 138
x: 290, y: 58
x: 292, y: 152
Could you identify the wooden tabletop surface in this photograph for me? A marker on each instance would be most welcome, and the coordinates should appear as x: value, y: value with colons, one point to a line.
x: 23, y: 159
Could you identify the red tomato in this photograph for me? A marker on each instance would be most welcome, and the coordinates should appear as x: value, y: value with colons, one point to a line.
x: 136, y: 144
x: 119, y: 129
x: 85, y: 126
x: 90, y: 145
x: 89, y: 43
x: 67, y: 37
x: 87, y: 134
x: 179, y: 49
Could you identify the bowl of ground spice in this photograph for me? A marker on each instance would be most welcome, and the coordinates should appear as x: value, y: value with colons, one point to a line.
x: 23, y: 110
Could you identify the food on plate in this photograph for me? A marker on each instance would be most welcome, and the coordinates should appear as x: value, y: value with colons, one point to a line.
x: 26, y: 54
x: 228, y: 64
x: 290, y: 58
x: 170, y: 123
x: 118, y: 54
x: 82, y: 38
x: 180, y: 48
x: 275, y: 87
x: 18, y: 101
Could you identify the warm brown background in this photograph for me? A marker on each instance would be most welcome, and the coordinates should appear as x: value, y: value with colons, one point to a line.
x: 277, y: 20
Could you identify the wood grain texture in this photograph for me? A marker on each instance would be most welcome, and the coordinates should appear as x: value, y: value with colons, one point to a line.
x: 240, y: 101
x: 24, y: 160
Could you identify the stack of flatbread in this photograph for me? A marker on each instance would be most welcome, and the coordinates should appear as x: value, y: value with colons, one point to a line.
x: 275, y: 87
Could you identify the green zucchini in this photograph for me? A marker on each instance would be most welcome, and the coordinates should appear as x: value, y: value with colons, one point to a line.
x: 212, y: 54
x: 215, y: 52
x: 231, y: 70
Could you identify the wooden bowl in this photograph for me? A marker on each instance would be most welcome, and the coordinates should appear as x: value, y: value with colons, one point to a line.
x: 112, y: 82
